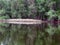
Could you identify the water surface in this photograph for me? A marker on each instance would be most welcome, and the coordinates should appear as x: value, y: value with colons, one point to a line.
x: 43, y: 34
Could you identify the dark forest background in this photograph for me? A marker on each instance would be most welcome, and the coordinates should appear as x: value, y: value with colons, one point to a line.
x: 35, y: 9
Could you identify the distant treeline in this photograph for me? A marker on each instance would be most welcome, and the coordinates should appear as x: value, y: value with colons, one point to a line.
x: 35, y: 9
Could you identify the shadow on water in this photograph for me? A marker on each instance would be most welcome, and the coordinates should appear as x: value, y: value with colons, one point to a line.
x: 43, y: 34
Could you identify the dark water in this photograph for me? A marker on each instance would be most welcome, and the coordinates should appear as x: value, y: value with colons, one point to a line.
x: 43, y: 34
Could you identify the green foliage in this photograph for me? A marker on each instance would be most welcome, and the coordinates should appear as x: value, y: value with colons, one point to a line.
x: 40, y: 1
x: 17, y: 9
x: 2, y: 11
x: 51, y: 13
x: 4, y: 17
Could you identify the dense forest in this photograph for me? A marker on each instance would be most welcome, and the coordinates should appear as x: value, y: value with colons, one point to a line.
x: 36, y: 9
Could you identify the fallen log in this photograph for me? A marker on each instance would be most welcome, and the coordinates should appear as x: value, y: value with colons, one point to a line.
x: 21, y: 21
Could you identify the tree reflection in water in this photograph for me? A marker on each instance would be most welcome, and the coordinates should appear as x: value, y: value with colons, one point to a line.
x: 43, y: 34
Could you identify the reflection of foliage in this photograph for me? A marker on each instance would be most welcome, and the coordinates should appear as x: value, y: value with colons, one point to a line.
x: 59, y: 28
x: 3, y: 32
x: 17, y: 32
x: 51, y: 30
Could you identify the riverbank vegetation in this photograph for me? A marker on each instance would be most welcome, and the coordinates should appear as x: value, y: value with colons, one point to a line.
x: 36, y: 9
